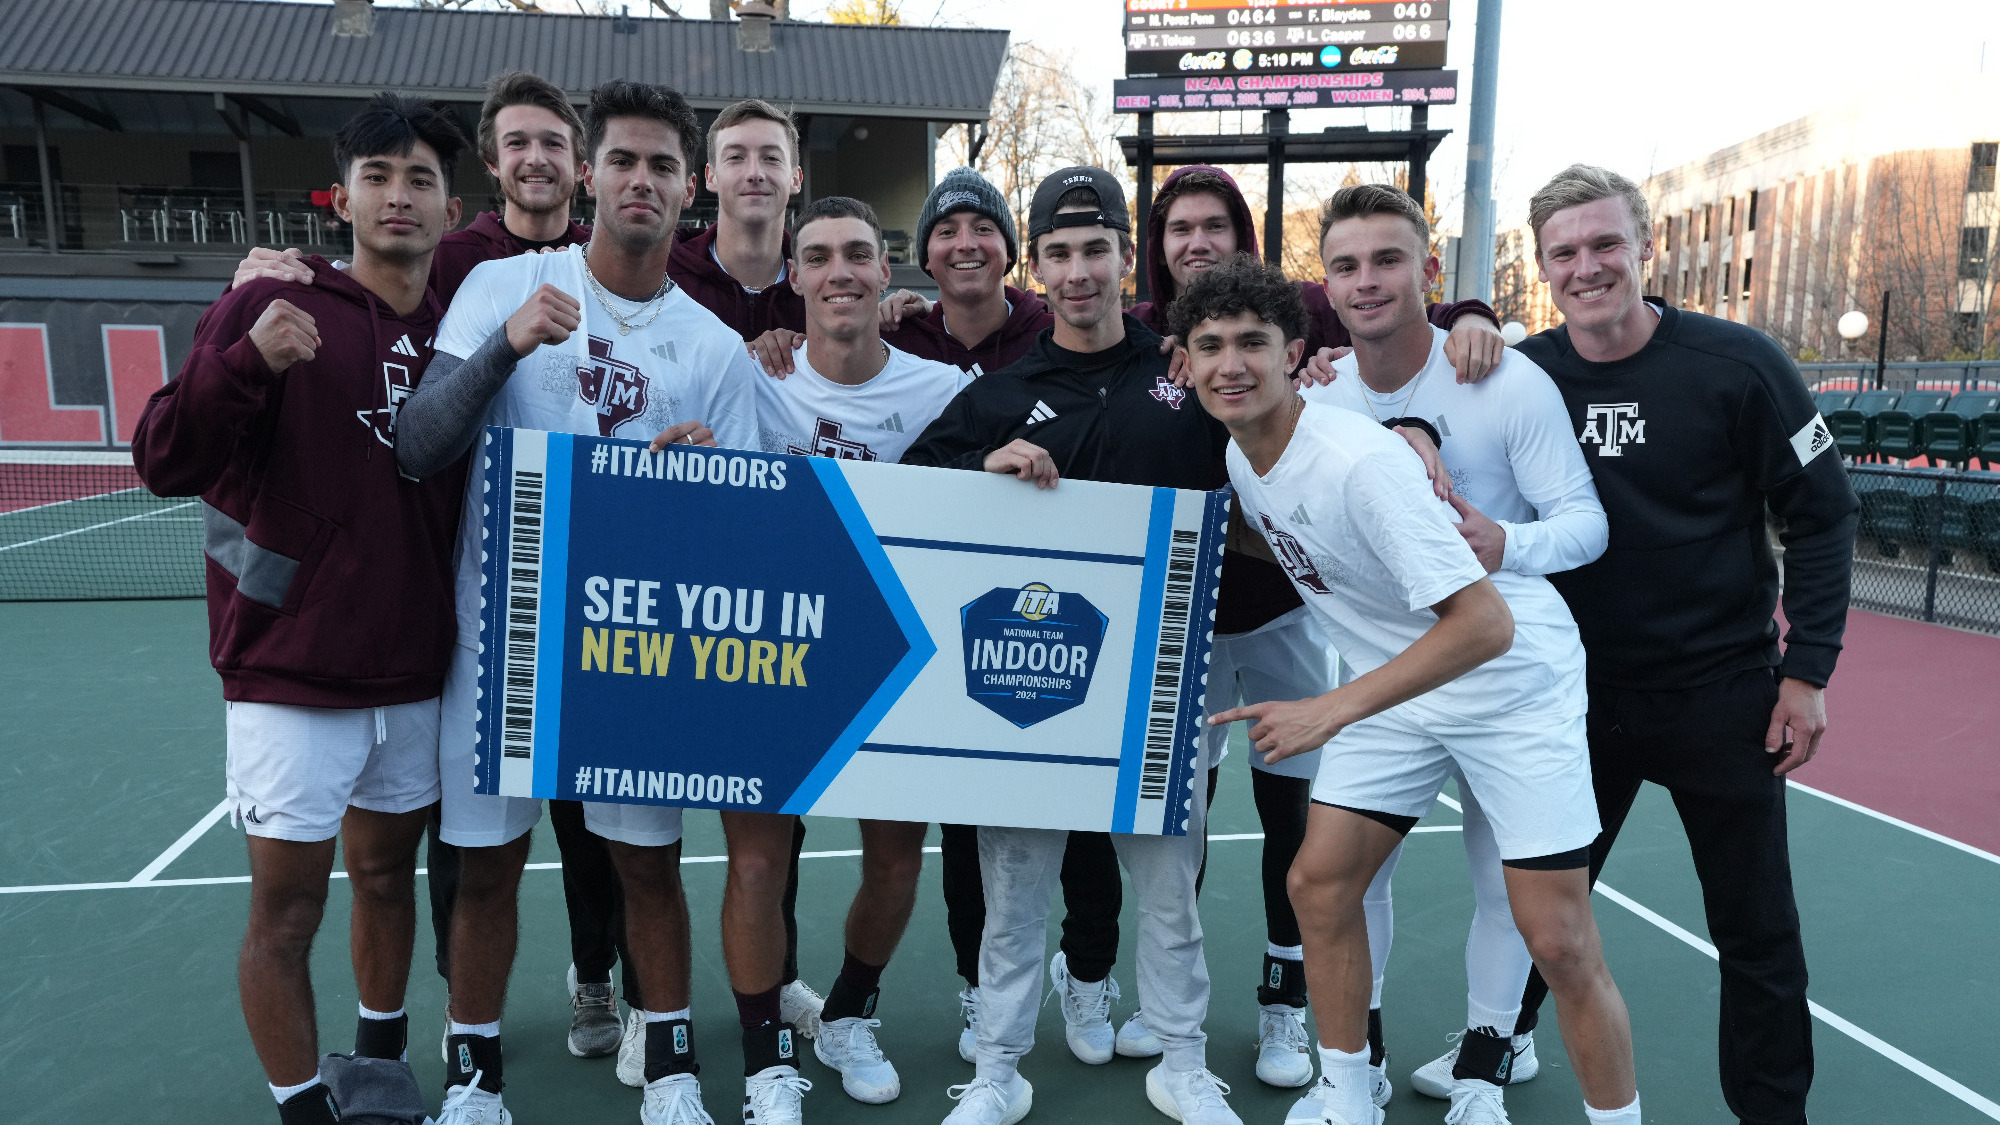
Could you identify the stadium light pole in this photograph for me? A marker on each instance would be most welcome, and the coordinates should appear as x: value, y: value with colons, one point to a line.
x: 1475, y: 246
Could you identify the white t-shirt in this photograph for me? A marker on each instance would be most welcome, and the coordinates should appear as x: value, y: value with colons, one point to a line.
x: 683, y: 365
x: 1512, y: 455
x: 812, y: 416
x: 1352, y: 518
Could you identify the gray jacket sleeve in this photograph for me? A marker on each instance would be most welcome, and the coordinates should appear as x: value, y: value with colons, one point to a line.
x: 440, y: 419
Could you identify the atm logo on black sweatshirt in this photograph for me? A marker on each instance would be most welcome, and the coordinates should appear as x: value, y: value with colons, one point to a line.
x: 1611, y: 426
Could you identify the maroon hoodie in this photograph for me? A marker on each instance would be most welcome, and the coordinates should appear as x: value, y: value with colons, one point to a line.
x: 926, y: 336
x: 694, y: 268
x: 329, y: 573
x: 482, y: 240
x: 1323, y: 327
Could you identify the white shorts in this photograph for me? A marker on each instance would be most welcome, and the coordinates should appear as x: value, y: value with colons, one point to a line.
x: 293, y: 771
x: 1529, y: 769
x: 1285, y: 658
x: 482, y: 820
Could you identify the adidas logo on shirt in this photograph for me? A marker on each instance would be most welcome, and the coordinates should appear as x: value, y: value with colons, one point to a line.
x: 402, y: 346
x: 1299, y: 516
x: 1041, y: 413
x: 893, y: 423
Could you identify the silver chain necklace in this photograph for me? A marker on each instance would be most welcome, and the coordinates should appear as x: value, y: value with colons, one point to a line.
x: 626, y: 324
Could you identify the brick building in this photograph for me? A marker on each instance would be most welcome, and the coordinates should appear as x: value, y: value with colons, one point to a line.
x: 1793, y: 227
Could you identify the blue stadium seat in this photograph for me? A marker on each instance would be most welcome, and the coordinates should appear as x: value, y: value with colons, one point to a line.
x: 1830, y: 401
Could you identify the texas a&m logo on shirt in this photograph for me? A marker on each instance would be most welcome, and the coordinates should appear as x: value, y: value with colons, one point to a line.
x: 1611, y: 426
x: 827, y: 442
x: 1167, y: 392
x: 1292, y: 556
x: 615, y: 388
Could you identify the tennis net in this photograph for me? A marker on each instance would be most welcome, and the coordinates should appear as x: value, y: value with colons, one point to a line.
x: 79, y: 526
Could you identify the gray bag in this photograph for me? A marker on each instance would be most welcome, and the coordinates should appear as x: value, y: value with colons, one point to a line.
x: 373, y: 1091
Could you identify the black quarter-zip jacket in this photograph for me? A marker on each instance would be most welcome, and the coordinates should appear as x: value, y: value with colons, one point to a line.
x: 1106, y: 416
x: 1689, y: 439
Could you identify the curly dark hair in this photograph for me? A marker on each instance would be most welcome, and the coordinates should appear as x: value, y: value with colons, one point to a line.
x: 1241, y: 284
x: 664, y: 104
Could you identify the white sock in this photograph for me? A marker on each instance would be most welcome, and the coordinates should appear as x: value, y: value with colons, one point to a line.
x: 370, y: 1014
x: 1344, y: 1083
x: 1285, y: 952
x: 662, y: 1017
x: 286, y: 1093
x: 1519, y: 1041
x: 489, y: 1030
x: 1626, y: 1116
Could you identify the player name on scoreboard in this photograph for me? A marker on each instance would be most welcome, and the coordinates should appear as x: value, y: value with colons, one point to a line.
x: 1168, y: 37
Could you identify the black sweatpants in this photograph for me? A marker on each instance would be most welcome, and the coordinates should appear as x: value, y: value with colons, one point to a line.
x: 1705, y: 746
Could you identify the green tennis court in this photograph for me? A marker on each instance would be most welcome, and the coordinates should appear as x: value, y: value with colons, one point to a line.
x: 80, y: 525
x: 122, y: 899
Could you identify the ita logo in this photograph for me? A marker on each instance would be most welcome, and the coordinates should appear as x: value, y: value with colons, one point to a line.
x: 1030, y: 652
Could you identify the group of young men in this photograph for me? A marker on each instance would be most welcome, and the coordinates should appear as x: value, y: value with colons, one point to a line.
x: 1490, y: 575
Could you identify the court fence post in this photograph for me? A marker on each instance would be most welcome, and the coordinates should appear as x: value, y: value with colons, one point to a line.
x: 1936, y: 530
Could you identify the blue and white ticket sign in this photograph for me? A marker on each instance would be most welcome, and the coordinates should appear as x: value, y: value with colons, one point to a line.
x: 723, y: 629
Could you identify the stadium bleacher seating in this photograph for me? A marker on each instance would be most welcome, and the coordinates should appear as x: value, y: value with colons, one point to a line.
x: 1895, y: 429
x: 1949, y: 436
x: 1830, y: 401
x: 1854, y: 427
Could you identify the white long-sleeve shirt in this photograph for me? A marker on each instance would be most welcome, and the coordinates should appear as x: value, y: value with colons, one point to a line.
x: 1510, y: 451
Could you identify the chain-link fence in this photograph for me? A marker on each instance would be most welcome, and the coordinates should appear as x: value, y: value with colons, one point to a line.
x: 1928, y: 545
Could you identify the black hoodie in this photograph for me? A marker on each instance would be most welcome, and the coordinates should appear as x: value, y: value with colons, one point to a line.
x: 1107, y: 416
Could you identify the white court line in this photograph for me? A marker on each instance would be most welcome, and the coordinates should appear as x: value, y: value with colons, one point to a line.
x: 96, y: 526
x: 186, y: 841
x: 1867, y: 1039
x: 1874, y: 1043
x: 1885, y: 818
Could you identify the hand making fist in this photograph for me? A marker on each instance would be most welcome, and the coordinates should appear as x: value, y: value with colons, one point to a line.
x: 285, y: 334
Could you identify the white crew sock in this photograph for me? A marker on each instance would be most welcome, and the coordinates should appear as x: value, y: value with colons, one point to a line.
x: 489, y: 1030
x: 662, y: 1017
x: 287, y: 1093
x: 1285, y: 952
x: 1626, y: 1116
x: 1345, y: 1084
x: 368, y: 1013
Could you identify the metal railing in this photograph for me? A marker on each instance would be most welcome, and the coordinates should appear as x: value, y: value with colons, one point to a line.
x: 1928, y: 545
x: 1969, y: 375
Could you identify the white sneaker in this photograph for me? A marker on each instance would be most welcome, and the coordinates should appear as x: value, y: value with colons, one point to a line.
x: 848, y: 1046
x: 674, y: 1100
x: 1192, y: 1096
x: 632, y: 1050
x: 799, y: 1006
x: 968, y: 1037
x: 1284, y: 1049
x: 983, y: 1101
x: 470, y: 1105
x: 1434, y: 1080
x: 1311, y: 1109
x: 1136, y: 1040
x: 1475, y: 1102
x: 1086, y: 1010
x: 774, y: 1096
x: 1380, y: 1089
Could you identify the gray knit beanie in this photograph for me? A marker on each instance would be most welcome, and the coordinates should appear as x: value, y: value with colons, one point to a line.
x: 963, y: 189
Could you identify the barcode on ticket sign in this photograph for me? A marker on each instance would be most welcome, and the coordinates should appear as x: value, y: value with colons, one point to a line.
x: 1170, y: 666
x: 524, y: 600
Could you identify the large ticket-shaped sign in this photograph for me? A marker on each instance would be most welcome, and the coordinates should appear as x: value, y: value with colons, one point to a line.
x: 723, y: 629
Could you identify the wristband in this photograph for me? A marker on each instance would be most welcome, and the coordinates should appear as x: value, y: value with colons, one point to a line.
x: 1429, y: 430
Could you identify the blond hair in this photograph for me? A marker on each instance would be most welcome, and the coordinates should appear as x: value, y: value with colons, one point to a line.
x: 1579, y: 184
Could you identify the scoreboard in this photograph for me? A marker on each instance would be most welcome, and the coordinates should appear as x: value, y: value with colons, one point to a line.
x: 1193, y: 38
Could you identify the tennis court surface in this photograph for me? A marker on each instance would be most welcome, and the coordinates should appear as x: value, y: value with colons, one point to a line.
x: 123, y: 893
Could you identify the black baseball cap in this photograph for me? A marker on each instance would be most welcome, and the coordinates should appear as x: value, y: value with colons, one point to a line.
x: 1111, y: 212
